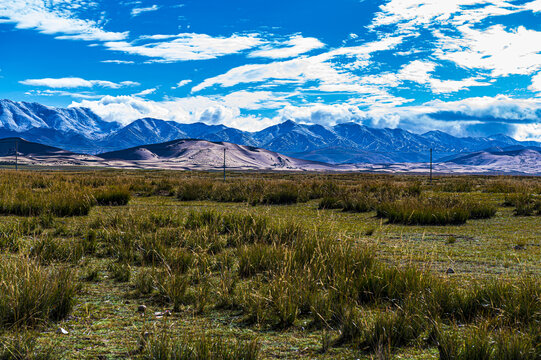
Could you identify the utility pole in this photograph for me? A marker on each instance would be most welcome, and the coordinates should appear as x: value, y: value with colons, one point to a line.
x: 224, y: 164
x: 430, y: 165
x: 16, y: 154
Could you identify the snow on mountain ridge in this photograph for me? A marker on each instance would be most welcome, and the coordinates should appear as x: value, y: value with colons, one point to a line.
x: 79, y: 129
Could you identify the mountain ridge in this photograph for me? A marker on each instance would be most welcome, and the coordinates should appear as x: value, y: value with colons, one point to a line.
x: 193, y: 154
x: 80, y: 130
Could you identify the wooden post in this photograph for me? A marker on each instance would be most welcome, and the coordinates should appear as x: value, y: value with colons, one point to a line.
x: 224, y: 164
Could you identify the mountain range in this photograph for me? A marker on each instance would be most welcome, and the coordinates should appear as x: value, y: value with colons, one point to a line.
x: 81, y: 130
x: 190, y: 154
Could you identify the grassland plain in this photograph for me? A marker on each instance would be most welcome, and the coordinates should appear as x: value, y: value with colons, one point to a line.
x: 256, y: 268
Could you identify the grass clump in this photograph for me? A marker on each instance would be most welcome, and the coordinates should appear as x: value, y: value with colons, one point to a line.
x: 525, y: 204
x: 258, y: 258
x: 390, y: 330
x: 330, y: 203
x: 31, y: 294
x: 113, y: 196
x: 23, y: 346
x: 480, y: 342
x: 434, y: 211
x: 165, y: 346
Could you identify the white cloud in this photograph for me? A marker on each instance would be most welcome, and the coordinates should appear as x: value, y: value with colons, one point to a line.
x: 117, y: 62
x: 138, y: 11
x: 302, y: 69
x: 534, y: 6
x: 295, y: 46
x: 125, y: 109
x: 146, y: 92
x: 474, y: 116
x: 55, y: 18
x: 409, y: 15
x: 77, y: 95
x: 254, y: 100
x: 477, y: 116
x: 327, y: 115
x: 495, y: 49
x: 417, y: 71
x: 455, y: 23
x: 181, y: 83
x: 536, y: 83
x: 189, y: 46
x: 420, y: 72
x: 480, y: 116
x: 75, y: 82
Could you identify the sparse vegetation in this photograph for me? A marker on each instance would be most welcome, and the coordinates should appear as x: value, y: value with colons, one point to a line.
x: 199, y: 267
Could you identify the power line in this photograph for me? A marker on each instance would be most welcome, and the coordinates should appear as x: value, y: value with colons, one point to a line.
x: 224, y: 163
x: 16, y: 154
x: 16, y: 142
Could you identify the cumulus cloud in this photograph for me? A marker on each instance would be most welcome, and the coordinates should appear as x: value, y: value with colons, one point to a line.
x: 75, y: 82
x: 56, y: 18
x: 188, y: 46
x: 476, y: 116
x: 138, y: 11
x: 295, y: 46
x: 125, y: 109
x: 326, y: 115
x: 480, y: 116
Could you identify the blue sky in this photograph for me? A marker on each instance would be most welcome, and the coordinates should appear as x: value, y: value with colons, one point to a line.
x: 468, y: 67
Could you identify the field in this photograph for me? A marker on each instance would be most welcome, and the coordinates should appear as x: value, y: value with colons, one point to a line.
x: 107, y: 264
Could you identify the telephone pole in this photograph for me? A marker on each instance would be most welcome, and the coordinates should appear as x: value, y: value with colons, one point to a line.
x: 224, y: 164
x: 430, y: 165
x: 16, y: 154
